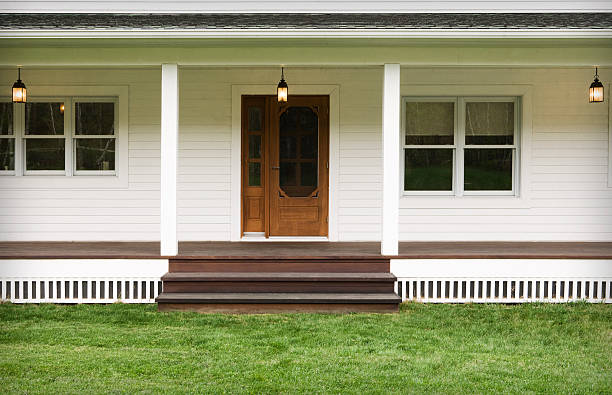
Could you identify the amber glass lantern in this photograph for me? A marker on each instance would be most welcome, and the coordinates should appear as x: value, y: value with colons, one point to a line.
x: 19, y: 90
x: 282, y: 91
x: 596, y: 90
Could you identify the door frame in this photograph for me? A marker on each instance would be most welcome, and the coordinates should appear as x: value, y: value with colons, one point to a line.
x: 236, y: 154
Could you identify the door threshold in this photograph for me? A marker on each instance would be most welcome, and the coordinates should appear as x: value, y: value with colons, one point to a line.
x: 250, y: 238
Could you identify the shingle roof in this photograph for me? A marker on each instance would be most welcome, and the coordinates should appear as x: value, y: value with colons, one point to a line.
x: 110, y: 22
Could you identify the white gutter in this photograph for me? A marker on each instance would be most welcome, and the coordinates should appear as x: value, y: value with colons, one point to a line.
x: 309, y: 33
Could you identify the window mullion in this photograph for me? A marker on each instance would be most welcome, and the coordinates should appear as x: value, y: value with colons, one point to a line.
x: 68, y: 132
x: 460, y: 144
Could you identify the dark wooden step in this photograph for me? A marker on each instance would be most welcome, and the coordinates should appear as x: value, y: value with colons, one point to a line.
x: 281, y: 264
x: 278, y: 302
x: 280, y: 308
x: 234, y: 297
x: 282, y: 276
x: 279, y: 282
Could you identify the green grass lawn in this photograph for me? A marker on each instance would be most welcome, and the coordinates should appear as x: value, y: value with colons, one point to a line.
x: 424, y: 348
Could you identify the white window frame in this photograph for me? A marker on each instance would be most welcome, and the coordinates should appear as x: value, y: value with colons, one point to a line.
x: 515, y: 147
x: 75, y: 136
x: 11, y: 136
x: 459, y: 147
x: 24, y: 137
x: 37, y: 180
x: 405, y: 146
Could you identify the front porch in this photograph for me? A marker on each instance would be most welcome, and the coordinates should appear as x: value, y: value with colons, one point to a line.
x: 434, y: 272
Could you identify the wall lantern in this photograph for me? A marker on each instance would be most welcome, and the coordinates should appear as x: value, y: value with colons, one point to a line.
x: 596, y: 91
x: 282, y: 91
x: 19, y: 90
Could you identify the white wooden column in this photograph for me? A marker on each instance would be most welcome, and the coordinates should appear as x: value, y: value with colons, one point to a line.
x: 391, y: 159
x: 169, y: 154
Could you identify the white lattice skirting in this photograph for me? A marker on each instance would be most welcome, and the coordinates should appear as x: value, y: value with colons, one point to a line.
x: 503, y: 280
x: 81, y: 280
x: 422, y: 280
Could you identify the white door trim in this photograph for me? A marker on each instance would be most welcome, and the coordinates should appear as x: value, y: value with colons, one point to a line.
x: 334, y: 148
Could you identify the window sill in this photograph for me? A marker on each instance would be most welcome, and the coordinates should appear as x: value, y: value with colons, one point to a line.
x: 467, y: 202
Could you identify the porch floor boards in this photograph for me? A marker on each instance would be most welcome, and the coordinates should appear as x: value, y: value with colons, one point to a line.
x: 271, y: 250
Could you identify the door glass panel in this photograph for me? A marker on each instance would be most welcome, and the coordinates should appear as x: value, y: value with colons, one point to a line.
x: 299, y: 151
x: 254, y: 146
x: 288, y: 147
x: 255, y: 119
x: 288, y: 175
x: 254, y: 174
x: 308, y: 174
x: 308, y: 147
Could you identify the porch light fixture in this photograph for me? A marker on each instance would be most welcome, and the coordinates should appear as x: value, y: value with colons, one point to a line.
x: 19, y: 89
x: 596, y: 91
x: 282, y: 91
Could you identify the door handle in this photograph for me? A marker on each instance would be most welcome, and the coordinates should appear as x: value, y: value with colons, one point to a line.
x: 275, y: 167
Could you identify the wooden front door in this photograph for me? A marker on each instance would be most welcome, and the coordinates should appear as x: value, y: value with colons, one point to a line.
x: 285, y: 177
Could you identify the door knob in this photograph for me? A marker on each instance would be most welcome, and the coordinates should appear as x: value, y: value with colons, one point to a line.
x: 275, y: 167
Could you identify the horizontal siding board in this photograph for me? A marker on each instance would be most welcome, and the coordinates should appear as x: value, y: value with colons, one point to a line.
x: 502, y: 220
x: 77, y: 219
x: 87, y: 212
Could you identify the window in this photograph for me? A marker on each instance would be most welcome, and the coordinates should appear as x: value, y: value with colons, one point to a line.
x: 59, y: 136
x: 7, y: 139
x: 460, y: 146
x: 44, y: 139
x: 94, y: 136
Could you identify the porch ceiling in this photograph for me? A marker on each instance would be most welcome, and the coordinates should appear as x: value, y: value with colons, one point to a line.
x: 187, y: 52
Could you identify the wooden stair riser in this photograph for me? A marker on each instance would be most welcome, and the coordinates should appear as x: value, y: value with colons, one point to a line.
x: 279, y: 286
x: 280, y: 265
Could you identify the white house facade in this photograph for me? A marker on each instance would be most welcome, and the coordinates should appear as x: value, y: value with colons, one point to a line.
x: 399, y: 129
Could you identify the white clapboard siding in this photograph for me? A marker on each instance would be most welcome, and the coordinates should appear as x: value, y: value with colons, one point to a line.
x: 93, y: 213
x: 205, y: 143
x: 301, y: 6
x: 569, y: 198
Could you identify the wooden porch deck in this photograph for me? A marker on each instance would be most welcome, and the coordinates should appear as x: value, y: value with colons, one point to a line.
x: 271, y: 250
